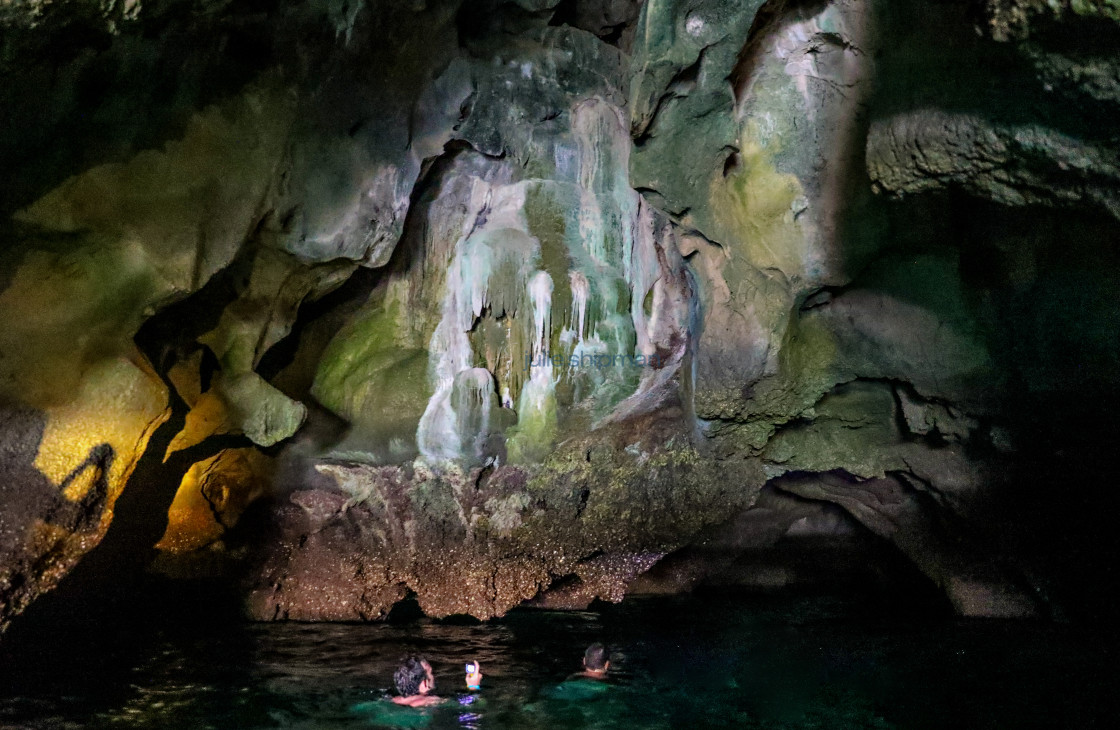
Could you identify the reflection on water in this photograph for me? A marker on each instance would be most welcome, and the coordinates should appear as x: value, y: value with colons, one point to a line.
x: 777, y: 662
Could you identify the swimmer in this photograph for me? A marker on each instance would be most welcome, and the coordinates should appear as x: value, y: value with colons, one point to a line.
x: 589, y: 684
x: 415, y: 683
x: 596, y: 662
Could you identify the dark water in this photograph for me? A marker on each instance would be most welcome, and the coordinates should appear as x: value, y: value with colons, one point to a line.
x: 749, y: 662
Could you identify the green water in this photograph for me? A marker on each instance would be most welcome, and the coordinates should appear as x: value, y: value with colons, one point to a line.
x: 715, y: 662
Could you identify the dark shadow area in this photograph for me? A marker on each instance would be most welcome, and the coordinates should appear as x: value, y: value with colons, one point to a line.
x: 787, y: 544
x: 1042, y: 292
x: 481, y: 22
x: 612, y: 21
x: 338, y: 304
x: 938, y: 58
x: 860, y: 564
x: 1059, y: 506
x: 82, y: 96
x: 405, y: 611
x: 62, y: 666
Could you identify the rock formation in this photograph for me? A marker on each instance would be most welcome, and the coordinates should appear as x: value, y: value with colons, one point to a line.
x: 496, y: 301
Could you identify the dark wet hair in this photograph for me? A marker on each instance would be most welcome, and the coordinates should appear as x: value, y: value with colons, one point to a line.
x: 596, y: 657
x: 410, y: 673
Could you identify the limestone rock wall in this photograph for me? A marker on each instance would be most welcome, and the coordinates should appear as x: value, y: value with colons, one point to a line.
x: 500, y: 301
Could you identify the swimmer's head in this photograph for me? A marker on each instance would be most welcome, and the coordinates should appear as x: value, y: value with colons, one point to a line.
x: 596, y: 658
x: 414, y: 677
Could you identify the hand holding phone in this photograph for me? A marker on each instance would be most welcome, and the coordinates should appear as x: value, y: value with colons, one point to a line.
x: 474, y: 675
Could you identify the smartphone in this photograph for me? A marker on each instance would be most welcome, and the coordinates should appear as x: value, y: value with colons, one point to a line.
x: 472, y: 668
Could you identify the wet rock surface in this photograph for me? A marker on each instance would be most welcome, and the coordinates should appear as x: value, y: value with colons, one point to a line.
x: 582, y: 525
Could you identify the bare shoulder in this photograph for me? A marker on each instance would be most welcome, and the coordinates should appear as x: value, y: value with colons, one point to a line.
x: 418, y: 701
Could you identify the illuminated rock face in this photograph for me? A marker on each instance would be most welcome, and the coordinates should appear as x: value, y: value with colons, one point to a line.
x: 508, y: 301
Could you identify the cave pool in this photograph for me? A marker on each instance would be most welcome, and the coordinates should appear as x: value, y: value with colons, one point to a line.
x: 705, y: 661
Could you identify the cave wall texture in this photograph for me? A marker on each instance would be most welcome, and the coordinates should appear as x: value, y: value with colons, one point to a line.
x: 493, y: 301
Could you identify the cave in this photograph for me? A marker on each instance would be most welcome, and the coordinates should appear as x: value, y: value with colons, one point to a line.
x: 774, y: 344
